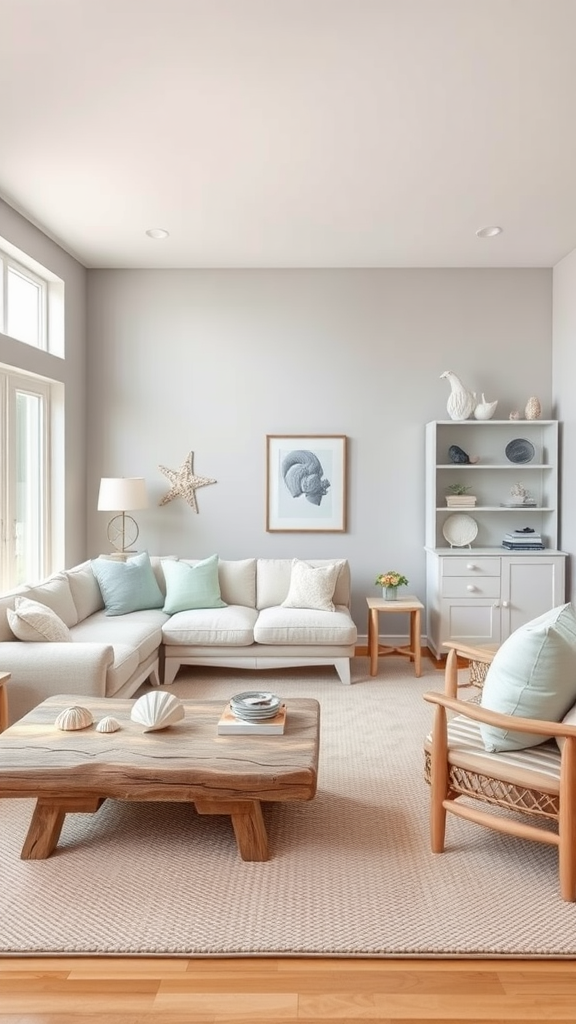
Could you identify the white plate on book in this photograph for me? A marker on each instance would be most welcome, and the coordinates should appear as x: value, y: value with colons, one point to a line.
x: 255, y: 705
x: 460, y: 530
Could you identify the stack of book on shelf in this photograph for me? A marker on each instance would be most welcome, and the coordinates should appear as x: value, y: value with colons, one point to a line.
x: 523, y: 540
x: 461, y: 500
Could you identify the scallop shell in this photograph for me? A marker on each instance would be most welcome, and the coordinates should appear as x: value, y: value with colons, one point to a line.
x: 108, y: 724
x: 157, y: 710
x: 75, y: 717
x: 533, y: 408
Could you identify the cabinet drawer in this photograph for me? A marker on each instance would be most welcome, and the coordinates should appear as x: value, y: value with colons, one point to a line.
x: 471, y: 566
x: 466, y: 586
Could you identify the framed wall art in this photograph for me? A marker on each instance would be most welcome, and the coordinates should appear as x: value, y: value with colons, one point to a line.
x: 306, y: 483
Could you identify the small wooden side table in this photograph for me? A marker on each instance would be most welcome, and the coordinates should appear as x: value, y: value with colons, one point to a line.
x: 4, y: 680
x: 408, y: 605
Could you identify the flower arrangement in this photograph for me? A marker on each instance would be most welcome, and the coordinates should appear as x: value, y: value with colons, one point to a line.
x: 391, y: 579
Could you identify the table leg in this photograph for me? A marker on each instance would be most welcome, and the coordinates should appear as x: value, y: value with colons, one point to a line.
x: 416, y: 644
x: 3, y: 708
x: 44, y: 831
x: 247, y: 822
x: 47, y: 820
x: 373, y: 640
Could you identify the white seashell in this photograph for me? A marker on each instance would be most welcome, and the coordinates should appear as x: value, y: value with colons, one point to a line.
x: 108, y: 724
x: 157, y: 710
x: 485, y: 410
x: 515, y: 415
x: 75, y: 717
x: 533, y: 408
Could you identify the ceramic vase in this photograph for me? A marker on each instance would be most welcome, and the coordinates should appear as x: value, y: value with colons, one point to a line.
x: 390, y: 593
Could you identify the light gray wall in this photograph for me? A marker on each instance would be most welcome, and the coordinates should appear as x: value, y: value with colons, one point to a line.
x: 564, y: 391
x: 212, y: 361
x: 71, y: 372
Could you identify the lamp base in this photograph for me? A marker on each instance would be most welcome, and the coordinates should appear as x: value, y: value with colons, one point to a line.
x: 122, y: 533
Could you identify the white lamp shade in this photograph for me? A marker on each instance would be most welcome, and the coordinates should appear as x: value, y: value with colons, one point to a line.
x: 122, y: 494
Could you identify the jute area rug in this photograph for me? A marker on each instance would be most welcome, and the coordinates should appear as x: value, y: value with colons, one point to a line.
x: 350, y: 872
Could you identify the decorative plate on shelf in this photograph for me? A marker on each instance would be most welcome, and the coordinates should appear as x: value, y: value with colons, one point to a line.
x: 520, y: 450
x: 460, y: 530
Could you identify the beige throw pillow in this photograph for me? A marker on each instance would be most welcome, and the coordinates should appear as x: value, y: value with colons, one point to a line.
x: 312, y: 586
x: 32, y: 621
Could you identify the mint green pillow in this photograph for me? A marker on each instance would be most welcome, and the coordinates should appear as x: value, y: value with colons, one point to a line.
x: 192, y: 586
x: 127, y: 586
x: 533, y: 675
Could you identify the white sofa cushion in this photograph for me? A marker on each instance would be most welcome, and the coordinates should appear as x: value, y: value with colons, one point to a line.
x: 7, y: 601
x: 273, y: 580
x: 238, y: 581
x: 85, y: 591
x: 141, y: 630
x: 55, y: 593
x: 34, y: 622
x: 305, y: 626
x: 227, y: 627
x: 312, y: 586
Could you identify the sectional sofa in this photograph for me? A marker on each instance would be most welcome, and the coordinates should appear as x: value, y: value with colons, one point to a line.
x: 96, y: 651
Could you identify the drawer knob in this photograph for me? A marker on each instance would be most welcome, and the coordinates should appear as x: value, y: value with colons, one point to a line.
x: 470, y: 587
x: 505, y: 604
x: 470, y: 565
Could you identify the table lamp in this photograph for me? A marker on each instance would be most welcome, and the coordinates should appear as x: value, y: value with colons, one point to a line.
x: 122, y: 494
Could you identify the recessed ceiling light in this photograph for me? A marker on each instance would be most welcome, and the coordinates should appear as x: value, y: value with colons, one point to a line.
x: 157, y: 233
x: 489, y: 232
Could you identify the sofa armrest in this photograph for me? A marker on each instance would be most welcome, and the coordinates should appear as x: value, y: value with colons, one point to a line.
x: 41, y: 670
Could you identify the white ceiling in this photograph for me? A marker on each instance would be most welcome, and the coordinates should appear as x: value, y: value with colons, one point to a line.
x: 292, y: 133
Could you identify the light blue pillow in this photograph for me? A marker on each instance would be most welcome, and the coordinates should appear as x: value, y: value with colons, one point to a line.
x: 533, y: 675
x: 127, y: 586
x: 192, y: 586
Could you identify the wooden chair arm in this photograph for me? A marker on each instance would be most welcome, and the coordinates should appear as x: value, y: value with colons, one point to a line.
x: 514, y: 723
x: 485, y: 654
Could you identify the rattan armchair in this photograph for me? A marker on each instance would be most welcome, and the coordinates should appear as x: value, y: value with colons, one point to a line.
x: 537, y: 784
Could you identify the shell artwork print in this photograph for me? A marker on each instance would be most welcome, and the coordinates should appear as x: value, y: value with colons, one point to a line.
x: 302, y: 473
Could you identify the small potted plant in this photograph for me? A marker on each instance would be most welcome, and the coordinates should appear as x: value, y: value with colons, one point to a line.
x: 458, y: 496
x: 390, y: 581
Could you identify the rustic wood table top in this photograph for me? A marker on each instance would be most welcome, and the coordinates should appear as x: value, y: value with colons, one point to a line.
x: 187, y: 761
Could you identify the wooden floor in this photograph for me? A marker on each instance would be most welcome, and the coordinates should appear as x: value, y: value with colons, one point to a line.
x: 294, y: 991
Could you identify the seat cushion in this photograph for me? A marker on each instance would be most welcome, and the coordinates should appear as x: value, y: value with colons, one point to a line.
x: 533, y: 675
x: 141, y: 631
x: 305, y: 626
x: 535, y: 767
x: 230, y: 626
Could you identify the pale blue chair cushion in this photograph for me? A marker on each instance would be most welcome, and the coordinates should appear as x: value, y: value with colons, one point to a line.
x: 533, y: 675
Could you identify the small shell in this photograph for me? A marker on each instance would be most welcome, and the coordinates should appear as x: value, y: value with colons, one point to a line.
x: 108, y: 724
x: 74, y: 718
x: 157, y: 710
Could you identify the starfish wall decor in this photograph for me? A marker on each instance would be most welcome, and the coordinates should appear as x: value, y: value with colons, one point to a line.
x: 184, y: 482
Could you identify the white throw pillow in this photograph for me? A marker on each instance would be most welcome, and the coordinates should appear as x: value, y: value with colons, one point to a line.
x: 312, y: 586
x: 533, y: 675
x: 32, y: 621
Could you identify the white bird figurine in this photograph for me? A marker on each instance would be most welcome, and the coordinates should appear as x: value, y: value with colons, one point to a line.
x: 485, y: 410
x: 461, y: 401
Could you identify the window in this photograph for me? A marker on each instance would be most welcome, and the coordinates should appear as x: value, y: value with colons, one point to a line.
x: 31, y: 301
x: 24, y: 479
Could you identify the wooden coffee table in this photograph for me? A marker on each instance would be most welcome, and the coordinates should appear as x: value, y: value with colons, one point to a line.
x: 188, y: 761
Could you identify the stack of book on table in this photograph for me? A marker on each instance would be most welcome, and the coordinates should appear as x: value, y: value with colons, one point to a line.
x: 523, y: 540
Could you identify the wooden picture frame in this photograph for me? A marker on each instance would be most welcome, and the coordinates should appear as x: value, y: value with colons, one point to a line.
x: 306, y: 483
